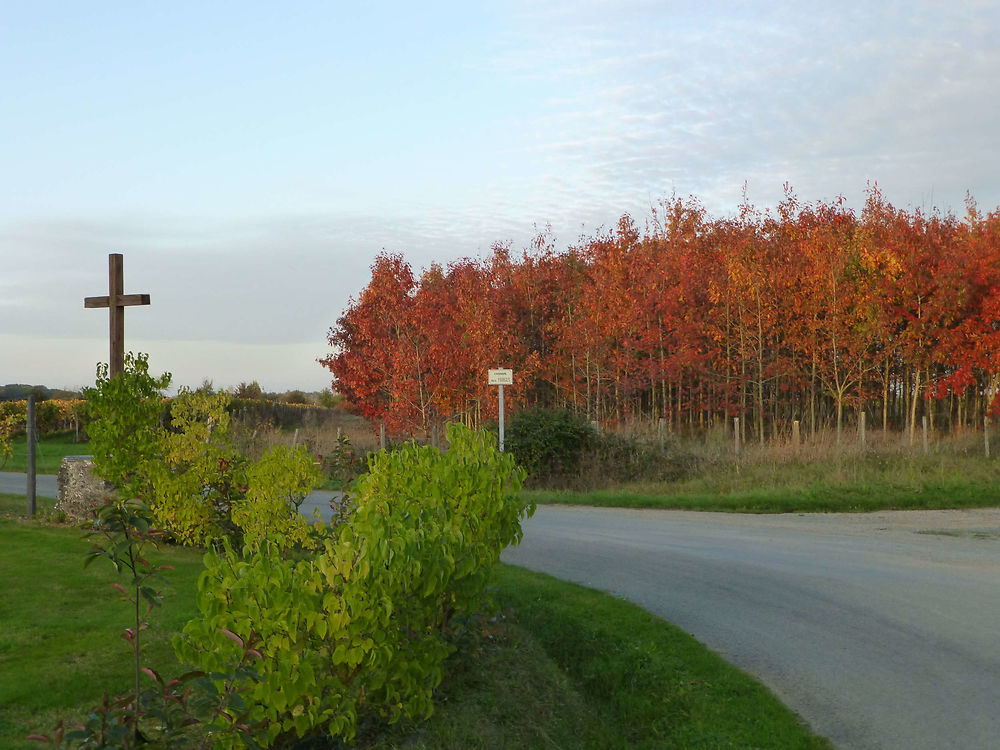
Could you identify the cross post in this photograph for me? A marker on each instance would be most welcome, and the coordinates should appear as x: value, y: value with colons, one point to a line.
x: 116, y: 302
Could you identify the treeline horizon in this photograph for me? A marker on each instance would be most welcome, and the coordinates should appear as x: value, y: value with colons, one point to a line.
x: 811, y: 312
x: 21, y: 391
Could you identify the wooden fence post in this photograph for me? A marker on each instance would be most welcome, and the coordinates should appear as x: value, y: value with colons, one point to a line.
x: 381, y: 435
x: 795, y: 435
x: 861, y: 431
x: 986, y: 435
x: 923, y: 426
x: 736, y: 434
x: 30, y: 446
x: 661, y: 428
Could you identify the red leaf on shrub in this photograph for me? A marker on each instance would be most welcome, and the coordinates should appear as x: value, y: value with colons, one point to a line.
x: 152, y: 674
x: 232, y: 636
x: 118, y: 587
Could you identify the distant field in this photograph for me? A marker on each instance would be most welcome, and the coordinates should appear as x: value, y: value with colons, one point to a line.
x: 49, y: 453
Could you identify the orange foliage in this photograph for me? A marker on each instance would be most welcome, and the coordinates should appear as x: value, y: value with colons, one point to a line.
x: 809, y: 312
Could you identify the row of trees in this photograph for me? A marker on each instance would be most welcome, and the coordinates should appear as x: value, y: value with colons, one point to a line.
x: 810, y: 312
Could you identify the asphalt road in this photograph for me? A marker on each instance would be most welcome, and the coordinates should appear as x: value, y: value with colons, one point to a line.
x: 12, y: 483
x: 880, y: 630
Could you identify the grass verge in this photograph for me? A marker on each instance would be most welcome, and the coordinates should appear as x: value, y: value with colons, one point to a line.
x: 16, y: 506
x: 575, y: 668
x: 562, y: 666
x: 761, y: 484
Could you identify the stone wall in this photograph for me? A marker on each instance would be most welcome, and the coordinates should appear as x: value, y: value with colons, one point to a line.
x: 80, y: 491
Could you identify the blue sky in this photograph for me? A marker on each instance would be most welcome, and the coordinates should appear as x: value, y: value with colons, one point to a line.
x: 250, y: 159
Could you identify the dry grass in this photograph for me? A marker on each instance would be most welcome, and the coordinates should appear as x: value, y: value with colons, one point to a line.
x: 319, y: 433
x: 820, y: 474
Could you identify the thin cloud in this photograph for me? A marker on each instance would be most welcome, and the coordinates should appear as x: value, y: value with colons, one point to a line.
x: 763, y: 94
x: 593, y: 109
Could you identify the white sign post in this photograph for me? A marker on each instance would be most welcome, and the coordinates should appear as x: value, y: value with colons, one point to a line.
x: 501, y: 378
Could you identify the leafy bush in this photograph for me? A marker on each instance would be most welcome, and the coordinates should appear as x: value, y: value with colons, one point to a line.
x: 303, y: 630
x: 199, y: 476
x: 612, y: 460
x: 561, y: 450
x: 249, y: 391
x: 363, y: 625
x: 190, y: 472
x: 342, y: 463
x: 548, y: 444
x: 7, y: 423
x: 330, y: 400
x: 203, y: 489
x: 276, y: 485
x: 124, y: 424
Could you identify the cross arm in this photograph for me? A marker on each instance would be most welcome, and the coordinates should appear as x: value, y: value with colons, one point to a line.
x: 122, y: 300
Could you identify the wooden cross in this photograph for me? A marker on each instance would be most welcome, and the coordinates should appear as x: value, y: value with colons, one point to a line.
x: 116, y: 302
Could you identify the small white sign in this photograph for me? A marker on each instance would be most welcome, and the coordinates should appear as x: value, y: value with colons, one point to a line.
x: 501, y: 377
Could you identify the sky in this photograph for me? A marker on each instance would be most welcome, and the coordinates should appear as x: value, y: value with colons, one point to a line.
x: 251, y: 159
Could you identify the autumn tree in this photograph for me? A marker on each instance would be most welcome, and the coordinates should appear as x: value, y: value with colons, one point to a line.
x: 807, y: 311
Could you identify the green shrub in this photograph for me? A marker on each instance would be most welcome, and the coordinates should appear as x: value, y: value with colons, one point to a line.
x: 276, y: 485
x: 198, y: 476
x: 330, y: 400
x: 124, y: 414
x: 189, y: 470
x: 203, y: 489
x: 548, y: 444
x: 561, y: 450
x: 342, y: 463
x: 363, y: 625
x: 248, y: 391
x: 7, y: 424
x: 613, y: 460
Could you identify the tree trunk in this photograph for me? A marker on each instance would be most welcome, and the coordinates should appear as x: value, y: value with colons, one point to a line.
x: 885, y: 399
x: 812, y: 398
x: 913, y: 404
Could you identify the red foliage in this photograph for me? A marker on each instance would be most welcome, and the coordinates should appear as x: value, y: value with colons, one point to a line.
x: 801, y: 313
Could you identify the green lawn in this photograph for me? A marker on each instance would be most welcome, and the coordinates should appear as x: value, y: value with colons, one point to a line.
x: 561, y: 666
x: 60, y: 626
x: 49, y: 453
